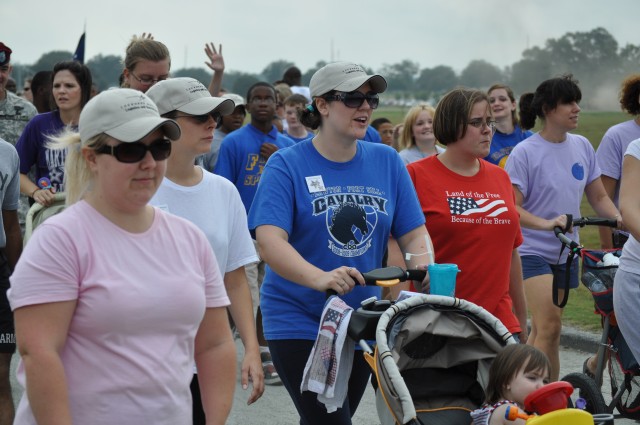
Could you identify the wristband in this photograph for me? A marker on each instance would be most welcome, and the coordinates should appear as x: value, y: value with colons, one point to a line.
x: 34, y: 192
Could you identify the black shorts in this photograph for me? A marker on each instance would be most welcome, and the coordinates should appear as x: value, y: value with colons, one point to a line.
x: 7, y: 332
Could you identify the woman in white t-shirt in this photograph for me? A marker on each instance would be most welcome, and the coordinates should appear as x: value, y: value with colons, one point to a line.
x: 626, y: 296
x: 113, y: 298
x: 213, y: 204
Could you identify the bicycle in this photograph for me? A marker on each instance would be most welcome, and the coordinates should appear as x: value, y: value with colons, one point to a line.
x: 613, y: 353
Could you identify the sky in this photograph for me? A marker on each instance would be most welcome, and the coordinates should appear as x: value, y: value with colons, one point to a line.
x: 254, y: 33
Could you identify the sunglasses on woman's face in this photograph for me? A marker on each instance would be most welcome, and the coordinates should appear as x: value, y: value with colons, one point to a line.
x: 205, y: 117
x: 135, y: 152
x: 355, y: 99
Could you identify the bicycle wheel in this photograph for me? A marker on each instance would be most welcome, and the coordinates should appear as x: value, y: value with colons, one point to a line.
x: 629, y: 403
x: 585, y: 388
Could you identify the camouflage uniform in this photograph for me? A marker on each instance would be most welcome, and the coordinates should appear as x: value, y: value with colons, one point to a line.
x: 15, y: 113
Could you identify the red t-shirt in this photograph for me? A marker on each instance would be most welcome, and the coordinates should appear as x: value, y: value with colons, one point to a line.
x: 473, y: 222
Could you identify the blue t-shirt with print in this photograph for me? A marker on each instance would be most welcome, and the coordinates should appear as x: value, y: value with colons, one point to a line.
x: 502, y: 145
x: 239, y: 159
x: 336, y: 214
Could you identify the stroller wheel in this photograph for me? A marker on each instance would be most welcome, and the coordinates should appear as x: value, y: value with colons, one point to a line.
x: 585, y: 392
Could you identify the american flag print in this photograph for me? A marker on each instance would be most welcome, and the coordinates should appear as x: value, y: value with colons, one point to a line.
x: 478, y: 207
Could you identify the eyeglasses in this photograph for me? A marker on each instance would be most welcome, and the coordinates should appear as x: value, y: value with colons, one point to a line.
x: 266, y: 100
x: 147, y: 80
x: 355, y: 99
x: 135, y: 152
x: 204, y: 118
x: 479, y: 122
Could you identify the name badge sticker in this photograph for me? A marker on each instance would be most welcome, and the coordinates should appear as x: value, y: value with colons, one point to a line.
x: 315, y: 184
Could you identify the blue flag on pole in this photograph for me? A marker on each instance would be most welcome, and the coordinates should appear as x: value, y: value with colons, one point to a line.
x: 79, y: 54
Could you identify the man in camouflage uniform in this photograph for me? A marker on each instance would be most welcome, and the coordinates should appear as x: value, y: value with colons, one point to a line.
x: 15, y: 113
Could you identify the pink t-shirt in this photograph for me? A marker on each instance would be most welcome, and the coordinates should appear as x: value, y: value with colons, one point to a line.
x: 129, y: 353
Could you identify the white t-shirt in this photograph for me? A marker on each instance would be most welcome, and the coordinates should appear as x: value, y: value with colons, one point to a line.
x: 630, y: 260
x: 213, y: 205
x: 140, y: 299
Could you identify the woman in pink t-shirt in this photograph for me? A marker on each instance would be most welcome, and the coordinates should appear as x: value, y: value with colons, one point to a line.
x: 113, y: 298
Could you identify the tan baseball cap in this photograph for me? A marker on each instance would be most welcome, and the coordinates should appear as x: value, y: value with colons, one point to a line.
x: 344, y: 77
x: 187, y: 95
x: 126, y: 115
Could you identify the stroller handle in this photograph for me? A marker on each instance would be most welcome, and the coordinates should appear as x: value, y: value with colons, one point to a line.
x: 581, y: 222
x: 390, y: 276
x: 574, y: 249
x: 387, y: 277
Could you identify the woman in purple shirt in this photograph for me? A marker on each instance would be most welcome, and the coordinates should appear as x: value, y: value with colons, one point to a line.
x: 550, y: 172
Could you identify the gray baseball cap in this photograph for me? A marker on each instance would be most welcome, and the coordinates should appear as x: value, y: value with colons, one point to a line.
x: 187, y: 95
x: 126, y: 115
x: 344, y: 77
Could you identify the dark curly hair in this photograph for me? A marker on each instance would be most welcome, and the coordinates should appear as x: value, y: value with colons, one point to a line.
x: 629, y: 94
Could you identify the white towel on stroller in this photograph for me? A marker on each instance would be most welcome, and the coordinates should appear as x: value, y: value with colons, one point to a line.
x: 329, y: 365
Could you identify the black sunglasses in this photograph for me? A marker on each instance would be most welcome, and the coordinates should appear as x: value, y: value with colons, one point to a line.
x: 205, y: 117
x: 355, y: 99
x: 134, y: 152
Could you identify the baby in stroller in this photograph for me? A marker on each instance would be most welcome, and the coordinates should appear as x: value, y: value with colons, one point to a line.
x: 516, y: 372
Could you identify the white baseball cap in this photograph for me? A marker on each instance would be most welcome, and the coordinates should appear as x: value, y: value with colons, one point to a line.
x: 126, y: 115
x: 236, y: 98
x: 187, y: 95
x: 344, y: 77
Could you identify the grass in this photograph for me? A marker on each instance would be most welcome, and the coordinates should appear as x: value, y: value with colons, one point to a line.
x: 579, y: 310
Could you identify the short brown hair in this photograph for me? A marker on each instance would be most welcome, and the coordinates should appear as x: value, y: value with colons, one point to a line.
x: 452, y: 114
x: 296, y: 100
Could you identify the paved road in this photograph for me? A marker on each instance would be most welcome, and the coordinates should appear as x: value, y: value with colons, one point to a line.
x: 275, y: 406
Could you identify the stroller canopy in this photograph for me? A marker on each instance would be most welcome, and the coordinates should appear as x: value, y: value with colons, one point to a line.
x: 432, y: 359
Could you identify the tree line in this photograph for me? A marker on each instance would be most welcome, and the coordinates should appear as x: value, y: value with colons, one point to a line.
x: 594, y: 57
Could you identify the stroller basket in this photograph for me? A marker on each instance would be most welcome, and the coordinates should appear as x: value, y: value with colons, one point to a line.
x: 432, y: 359
x: 598, y: 278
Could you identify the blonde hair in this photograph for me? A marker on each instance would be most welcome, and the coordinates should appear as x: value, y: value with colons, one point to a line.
x: 142, y: 48
x: 283, y: 91
x: 78, y: 178
x: 406, y: 137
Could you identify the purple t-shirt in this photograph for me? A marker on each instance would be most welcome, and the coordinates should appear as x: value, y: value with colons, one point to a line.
x: 612, y: 148
x: 32, y: 149
x: 552, y: 178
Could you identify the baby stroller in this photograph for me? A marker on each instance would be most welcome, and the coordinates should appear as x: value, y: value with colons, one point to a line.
x: 598, y: 271
x: 432, y: 357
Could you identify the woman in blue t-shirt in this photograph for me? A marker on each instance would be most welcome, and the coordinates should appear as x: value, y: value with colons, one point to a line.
x: 508, y: 131
x: 323, y: 213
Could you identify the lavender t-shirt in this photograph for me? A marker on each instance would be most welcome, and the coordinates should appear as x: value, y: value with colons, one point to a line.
x: 612, y: 149
x: 128, y: 356
x: 552, y: 178
x: 630, y: 260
